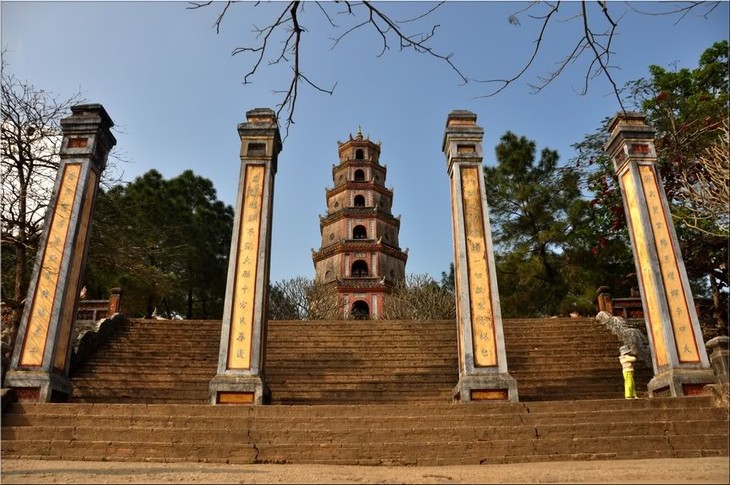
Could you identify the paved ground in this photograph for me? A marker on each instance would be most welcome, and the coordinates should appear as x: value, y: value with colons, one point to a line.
x: 689, y: 470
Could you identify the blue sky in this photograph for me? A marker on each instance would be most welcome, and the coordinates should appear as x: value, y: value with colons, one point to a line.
x: 176, y: 95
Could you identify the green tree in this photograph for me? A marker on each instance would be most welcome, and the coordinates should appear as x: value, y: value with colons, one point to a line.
x: 166, y: 242
x: 448, y: 280
x: 539, y: 220
x: 202, y: 227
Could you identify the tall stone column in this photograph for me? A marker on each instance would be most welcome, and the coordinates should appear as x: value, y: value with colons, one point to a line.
x: 39, y: 367
x: 681, y: 366
x: 482, y: 360
x: 240, y: 378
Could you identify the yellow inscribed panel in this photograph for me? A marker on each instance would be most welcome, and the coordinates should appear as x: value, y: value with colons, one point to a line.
x: 74, y: 280
x: 235, y: 397
x: 480, y: 292
x: 489, y: 394
x: 44, y: 297
x: 649, y: 285
x: 249, y: 235
x: 673, y: 284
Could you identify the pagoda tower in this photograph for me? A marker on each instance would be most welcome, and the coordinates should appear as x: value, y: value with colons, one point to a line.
x: 359, y: 252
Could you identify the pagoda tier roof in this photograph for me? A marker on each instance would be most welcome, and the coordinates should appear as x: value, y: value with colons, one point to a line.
x: 357, y: 162
x: 351, y: 185
x: 364, y: 283
x: 350, y: 245
x: 361, y: 212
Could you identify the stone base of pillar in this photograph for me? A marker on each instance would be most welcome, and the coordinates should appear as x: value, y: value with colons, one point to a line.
x: 241, y: 390
x: 492, y: 387
x: 35, y: 386
x: 680, y: 382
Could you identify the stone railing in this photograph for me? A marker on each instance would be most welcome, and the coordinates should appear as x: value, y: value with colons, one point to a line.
x: 91, y: 313
x: 620, y: 315
x: 92, y: 325
x: 630, y: 334
x: 88, y: 340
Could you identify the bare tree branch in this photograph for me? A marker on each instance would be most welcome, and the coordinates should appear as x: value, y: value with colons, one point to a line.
x: 538, y: 43
x: 705, y: 193
x: 594, y: 42
x: 288, y: 23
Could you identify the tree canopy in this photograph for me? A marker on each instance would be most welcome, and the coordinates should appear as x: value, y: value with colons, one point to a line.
x: 165, y: 242
x: 540, y: 222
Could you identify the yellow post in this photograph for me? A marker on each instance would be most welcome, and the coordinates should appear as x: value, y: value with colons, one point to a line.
x: 681, y: 366
x: 239, y: 379
x: 39, y: 368
x: 483, y: 371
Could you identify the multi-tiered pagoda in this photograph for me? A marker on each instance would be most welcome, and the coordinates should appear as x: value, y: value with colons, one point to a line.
x: 360, y: 252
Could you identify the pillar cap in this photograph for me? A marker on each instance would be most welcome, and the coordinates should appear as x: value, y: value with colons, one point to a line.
x: 461, y: 122
x: 628, y: 124
x: 261, y: 122
x: 261, y: 115
x: 93, y: 109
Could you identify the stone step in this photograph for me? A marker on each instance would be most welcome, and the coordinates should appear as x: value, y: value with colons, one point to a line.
x: 384, y: 453
x: 349, y: 433
x: 312, y: 362
x: 715, y: 416
x: 483, y: 408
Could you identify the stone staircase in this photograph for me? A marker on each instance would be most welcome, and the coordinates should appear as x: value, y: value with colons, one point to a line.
x: 356, y: 362
x: 360, y: 392
x: 385, y: 434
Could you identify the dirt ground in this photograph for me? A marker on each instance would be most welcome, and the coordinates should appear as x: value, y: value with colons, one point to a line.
x: 687, y: 470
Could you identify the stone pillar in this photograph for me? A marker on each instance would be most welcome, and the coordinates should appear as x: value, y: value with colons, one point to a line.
x: 605, y: 302
x: 681, y: 366
x: 39, y: 367
x: 719, y: 355
x: 240, y: 375
x: 482, y: 360
x: 115, y: 302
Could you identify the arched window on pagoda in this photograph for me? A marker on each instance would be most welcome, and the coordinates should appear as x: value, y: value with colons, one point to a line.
x: 359, y: 268
x: 359, y: 201
x: 359, y: 154
x: 359, y: 175
x: 360, y: 310
x: 359, y: 232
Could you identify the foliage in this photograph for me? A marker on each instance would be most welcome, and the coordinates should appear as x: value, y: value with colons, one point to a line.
x: 448, y: 281
x: 165, y: 242
x: 541, y: 230
x: 419, y: 297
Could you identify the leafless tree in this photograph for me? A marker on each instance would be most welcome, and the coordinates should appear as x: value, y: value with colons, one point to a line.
x: 303, y: 299
x: 705, y: 194
x: 280, y: 41
x: 419, y: 297
x: 30, y: 142
x: 31, y: 137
